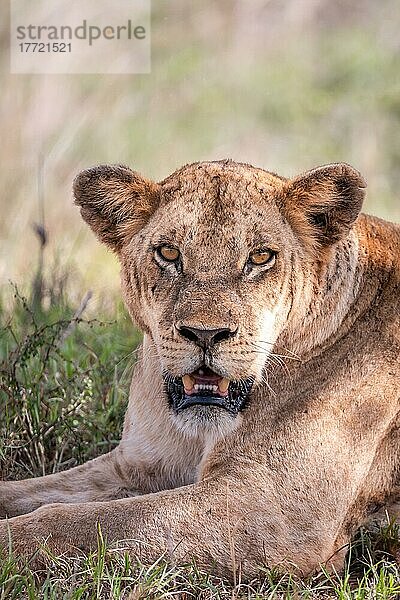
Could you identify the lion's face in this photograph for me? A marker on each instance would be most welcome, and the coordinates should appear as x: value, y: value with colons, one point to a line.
x: 211, y: 264
x: 211, y: 283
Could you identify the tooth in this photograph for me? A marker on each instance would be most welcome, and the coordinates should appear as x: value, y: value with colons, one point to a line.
x: 223, y: 385
x: 188, y: 382
x: 215, y: 388
x: 201, y: 372
x: 196, y: 386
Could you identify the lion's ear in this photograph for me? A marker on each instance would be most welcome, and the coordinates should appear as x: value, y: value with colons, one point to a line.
x: 115, y: 202
x: 323, y: 204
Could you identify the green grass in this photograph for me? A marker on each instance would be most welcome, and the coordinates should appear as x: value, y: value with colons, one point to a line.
x: 63, y: 387
x: 111, y: 575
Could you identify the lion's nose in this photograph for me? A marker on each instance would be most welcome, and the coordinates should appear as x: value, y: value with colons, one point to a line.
x: 206, y: 337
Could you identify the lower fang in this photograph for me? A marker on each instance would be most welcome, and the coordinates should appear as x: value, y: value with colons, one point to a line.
x: 188, y: 382
x: 223, y: 385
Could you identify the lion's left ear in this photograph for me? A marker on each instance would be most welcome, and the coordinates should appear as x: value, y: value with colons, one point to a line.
x: 323, y: 204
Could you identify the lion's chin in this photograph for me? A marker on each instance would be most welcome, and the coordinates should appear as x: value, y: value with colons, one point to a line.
x: 206, y: 422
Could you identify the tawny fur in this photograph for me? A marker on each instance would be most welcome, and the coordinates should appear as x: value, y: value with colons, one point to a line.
x: 316, y: 450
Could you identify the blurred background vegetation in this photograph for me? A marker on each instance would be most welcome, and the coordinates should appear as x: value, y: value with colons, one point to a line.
x: 285, y: 85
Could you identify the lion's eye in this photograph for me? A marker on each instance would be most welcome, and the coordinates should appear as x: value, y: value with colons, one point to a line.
x: 168, y: 253
x: 262, y: 257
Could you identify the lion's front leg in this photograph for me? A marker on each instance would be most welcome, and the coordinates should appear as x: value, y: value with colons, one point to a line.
x: 97, y: 480
x: 182, y: 524
x: 214, y: 523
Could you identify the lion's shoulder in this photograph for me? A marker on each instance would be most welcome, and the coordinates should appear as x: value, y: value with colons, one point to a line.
x: 380, y: 240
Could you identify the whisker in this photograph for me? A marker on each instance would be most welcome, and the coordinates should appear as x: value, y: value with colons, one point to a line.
x: 285, y: 349
x: 280, y: 363
x: 264, y: 379
x: 293, y: 357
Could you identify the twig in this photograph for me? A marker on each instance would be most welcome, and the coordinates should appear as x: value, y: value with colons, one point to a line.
x: 81, y: 309
x: 41, y: 233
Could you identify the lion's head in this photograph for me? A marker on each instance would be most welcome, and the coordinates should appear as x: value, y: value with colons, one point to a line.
x: 216, y: 262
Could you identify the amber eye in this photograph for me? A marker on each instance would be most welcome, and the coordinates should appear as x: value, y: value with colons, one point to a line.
x: 168, y: 253
x: 262, y: 257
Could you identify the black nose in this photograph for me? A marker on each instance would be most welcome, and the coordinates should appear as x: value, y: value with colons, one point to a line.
x: 206, y: 337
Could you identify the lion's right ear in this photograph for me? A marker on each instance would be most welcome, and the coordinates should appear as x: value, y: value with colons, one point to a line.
x: 115, y: 202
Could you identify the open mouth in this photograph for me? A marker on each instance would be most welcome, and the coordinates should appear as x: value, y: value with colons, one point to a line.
x: 204, y: 387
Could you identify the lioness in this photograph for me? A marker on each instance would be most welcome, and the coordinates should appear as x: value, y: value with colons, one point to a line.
x: 263, y: 420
